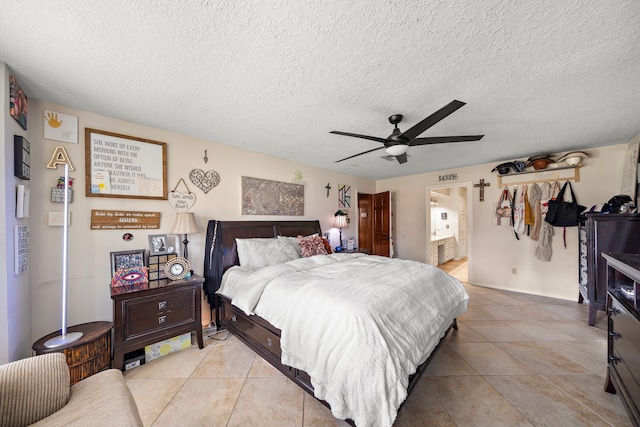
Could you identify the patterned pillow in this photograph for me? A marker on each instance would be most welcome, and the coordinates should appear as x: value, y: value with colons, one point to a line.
x: 327, y: 245
x: 311, y: 245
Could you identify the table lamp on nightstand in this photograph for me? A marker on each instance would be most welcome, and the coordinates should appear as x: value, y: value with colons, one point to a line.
x: 185, y: 223
x: 340, y: 222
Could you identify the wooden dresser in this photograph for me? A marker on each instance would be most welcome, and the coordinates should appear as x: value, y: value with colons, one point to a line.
x: 146, y: 314
x: 614, y: 233
x: 623, y: 308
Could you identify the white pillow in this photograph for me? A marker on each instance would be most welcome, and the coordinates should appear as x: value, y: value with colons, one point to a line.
x: 263, y: 252
x: 292, y: 242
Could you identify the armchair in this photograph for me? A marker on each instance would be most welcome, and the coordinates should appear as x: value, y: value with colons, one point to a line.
x: 36, y: 391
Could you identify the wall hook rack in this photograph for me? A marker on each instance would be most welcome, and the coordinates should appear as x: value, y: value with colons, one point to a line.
x: 542, y: 175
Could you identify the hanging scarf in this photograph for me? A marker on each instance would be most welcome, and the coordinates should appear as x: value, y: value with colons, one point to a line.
x: 519, y: 212
x: 542, y: 249
x: 529, y: 216
x: 536, y: 195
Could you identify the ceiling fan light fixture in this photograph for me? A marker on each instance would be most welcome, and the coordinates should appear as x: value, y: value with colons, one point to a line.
x: 396, y: 150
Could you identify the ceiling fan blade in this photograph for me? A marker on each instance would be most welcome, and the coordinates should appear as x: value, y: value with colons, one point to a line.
x: 355, y: 135
x: 359, y: 154
x: 444, y: 139
x: 432, y: 120
x: 402, y: 158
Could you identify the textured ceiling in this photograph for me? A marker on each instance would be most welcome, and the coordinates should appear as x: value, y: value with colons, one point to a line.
x: 275, y: 77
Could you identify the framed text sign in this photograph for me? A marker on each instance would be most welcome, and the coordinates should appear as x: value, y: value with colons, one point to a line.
x: 124, y: 166
x: 120, y: 220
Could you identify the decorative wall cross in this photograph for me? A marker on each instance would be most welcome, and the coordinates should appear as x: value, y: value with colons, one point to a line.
x: 481, y: 186
x: 328, y: 187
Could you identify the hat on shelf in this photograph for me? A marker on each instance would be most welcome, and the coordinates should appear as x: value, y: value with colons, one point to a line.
x: 505, y: 168
x: 540, y: 162
x: 573, y: 158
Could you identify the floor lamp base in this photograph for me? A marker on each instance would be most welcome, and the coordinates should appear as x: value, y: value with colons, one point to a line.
x: 62, y: 340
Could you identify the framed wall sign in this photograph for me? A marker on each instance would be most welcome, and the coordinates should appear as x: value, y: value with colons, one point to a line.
x: 124, y: 166
x: 21, y: 157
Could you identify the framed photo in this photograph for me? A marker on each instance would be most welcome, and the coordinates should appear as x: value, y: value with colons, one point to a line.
x: 126, y: 260
x: 158, y: 244
x: 18, y: 102
x: 124, y: 166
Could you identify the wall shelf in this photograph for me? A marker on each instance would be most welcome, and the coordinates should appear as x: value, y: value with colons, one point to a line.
x: 563, y: 173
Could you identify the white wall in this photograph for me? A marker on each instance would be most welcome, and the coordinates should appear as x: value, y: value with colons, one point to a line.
x: 15, y: 320
x: 495, y: 249
x: 89, y: 250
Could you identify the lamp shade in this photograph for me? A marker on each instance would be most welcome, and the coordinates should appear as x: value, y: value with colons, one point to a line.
x: 185, y: 223
x: 340, y: 221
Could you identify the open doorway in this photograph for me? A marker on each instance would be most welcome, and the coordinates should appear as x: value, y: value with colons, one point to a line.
x: 450, y: 229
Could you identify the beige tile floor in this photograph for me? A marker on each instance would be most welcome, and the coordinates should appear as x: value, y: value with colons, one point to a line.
x: 516, y: 360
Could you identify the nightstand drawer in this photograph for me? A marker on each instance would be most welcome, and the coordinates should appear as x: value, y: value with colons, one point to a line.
x: 149, y: 314
x: 141, y: 325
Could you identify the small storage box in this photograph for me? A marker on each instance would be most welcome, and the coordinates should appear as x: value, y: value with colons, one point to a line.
x: 168, y: 346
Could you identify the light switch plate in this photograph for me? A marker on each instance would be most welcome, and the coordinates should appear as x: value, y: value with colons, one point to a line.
x: 56, y: 218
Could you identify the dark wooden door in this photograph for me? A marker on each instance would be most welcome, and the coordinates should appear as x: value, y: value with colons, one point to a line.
x: 381, y: 223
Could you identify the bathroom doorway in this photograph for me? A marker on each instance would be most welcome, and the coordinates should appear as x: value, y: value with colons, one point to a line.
x: 450, y: 219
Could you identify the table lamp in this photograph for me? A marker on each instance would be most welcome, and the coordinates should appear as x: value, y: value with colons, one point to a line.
x: 185, y: 223
x: 340, y: 221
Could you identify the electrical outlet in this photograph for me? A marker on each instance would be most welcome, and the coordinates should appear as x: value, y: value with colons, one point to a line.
x: 514, y: 270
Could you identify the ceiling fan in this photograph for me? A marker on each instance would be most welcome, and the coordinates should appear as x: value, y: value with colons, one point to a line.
x: 398, y: 142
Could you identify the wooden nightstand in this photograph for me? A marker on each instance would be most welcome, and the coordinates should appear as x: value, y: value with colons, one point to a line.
x: 145, y: 315
x: 357, y: 251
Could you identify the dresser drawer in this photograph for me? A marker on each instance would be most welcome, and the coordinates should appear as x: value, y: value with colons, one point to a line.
x: 630, y: 384
x: 627, y: 345
x: 263, y: 336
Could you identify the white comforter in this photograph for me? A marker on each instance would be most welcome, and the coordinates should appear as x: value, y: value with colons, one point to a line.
x: 358, y: 325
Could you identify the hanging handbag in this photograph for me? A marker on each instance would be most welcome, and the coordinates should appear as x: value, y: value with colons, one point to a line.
x: 562, y: 213
x: 503, y: 209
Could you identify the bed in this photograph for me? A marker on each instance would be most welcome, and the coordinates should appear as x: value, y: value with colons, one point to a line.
x: 318, y: 326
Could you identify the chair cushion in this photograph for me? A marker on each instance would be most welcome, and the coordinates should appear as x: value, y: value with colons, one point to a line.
x: 33, y: 388
x: 103, y: 399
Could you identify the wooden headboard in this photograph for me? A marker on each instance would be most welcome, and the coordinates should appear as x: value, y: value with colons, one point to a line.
x: 259, y: 229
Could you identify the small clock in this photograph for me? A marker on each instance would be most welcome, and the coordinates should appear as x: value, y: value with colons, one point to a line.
x: 177, y: 268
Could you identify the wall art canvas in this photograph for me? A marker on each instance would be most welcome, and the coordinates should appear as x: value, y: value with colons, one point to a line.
x: 60, y: 127
x: 344, y: 196
x: 630, y: 175
x: 18, y: 102
x: 265, y: 197
x: 21, y: 248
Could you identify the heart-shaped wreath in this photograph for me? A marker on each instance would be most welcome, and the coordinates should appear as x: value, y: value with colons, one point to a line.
x: 204, y: 180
